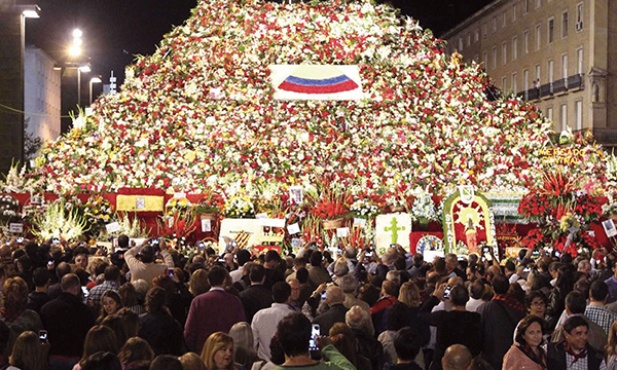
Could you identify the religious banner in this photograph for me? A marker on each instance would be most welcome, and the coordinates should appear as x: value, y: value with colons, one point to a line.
x: 468, y: 223
x: 392, y: 228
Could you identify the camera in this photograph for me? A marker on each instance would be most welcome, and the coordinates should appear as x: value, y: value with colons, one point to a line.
x: 170, y: 272
x: 201, y: 245
x: 315, y: 333
x: 154, y: 242
x: 43, y: 336
x: 20, y: 240
x: 446, y: 292
x: 50, y: 263
x: 55, y: 241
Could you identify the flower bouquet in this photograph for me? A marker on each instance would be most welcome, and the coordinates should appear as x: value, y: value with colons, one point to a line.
x: 179, y: 218
x: 239, y: 206
x: 59, y: 221
x: 331, y: 207
x: 9, y: 209
x: 98, y: 211
x: 210, y: 203
x: 364, y: 208
x: 423, y: 208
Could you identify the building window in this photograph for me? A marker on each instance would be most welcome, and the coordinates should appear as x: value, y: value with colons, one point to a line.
x: 494, y: 24
x: 579, y: 114
x: 551, y: 30
x: 564, y: 24
x: 551, y: 64
x: 460, y: 44
x: 514, y: 83
x: 564, y: 117
x: 549, y: 114
x: 484, y: 31
x: 494, y: 57
x: 504, y: 53
x: 514, y: 48
x: 476, y: 58
x: 476, y: 35
x: 504, y: 85
x: 514, y: 11
x: 564, y: 66
x: 538, y: 36
x: 579, y: 17
x: 526, y: 42
x: 504, y: 21
x: 485, y: 59
x: 537, y: 81
x: 468, y: 39
x: 526, y: 6
x: 538, y: 3
x: 579, y: 61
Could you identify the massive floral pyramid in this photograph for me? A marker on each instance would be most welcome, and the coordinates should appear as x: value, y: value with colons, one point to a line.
x: 200, y: 112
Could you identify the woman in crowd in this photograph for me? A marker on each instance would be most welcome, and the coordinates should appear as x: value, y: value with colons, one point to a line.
x: 535, y: 303
x: 192, y: 361
x: 129, y: 298
x: 566, y: 278
x: 99, y: 339
x: 14, y: 312
x: 29, y: 353
x: 218, y: 352
x: 242, y: 335
x: 110, y: 304
x: 135, y: 350
x: 198, y: 283
x: 527, y: 351
x: 158, y: 327
x: 345, y: 341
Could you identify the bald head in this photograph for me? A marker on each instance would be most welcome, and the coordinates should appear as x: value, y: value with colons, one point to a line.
x: 456, y: 357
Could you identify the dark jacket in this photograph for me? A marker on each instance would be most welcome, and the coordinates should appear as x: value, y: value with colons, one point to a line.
x: 326, y: 320
x: 162, y: 332
x: 255, y: 298
x: 498, y: 324
x: 556, y: 357
x: 371, y: 348
x: 67, y: 321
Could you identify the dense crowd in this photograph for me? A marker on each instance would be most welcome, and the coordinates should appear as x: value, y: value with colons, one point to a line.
x: 74, y: 306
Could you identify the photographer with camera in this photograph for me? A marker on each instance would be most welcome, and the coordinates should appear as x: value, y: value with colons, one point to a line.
x: 141, y: 260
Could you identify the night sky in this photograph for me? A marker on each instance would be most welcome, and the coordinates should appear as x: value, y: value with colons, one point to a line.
x: 115, y: 30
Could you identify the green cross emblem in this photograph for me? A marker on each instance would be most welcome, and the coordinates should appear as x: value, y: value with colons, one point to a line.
x: 393, y: 227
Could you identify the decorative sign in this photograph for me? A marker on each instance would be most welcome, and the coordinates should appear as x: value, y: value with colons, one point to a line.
x: 360, y: 222
x: 316, y: 82
x: 206, y: 225
x: 342, y: 232
x: 293, y: 229
x: 272, y: 222
x: 16, y: 228
x: 467, y: 224
x: 261, y: 215
x: 179, y: 195
x: 247, y: 232
x: 608, y: 225
x: 112, y: 227
x: 567, y: 156
x: 295, y: 195
x: 392, y: 228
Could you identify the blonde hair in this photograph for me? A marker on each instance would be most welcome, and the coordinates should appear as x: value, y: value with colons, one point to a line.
x: 409, y: 294
x: 192, y: 361
x: 612, y: 340
x: 216, y: 342
x: 198, y: 283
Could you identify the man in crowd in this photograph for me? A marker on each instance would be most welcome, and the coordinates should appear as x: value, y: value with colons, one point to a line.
x: 456, y: 357
x: 256, y: 296
x: 596, y: 310
x: 213, y: 311
x: 336, y: 310
x: 141, y: 260
x: 112, y: 282
x: 574, y: 352
x: 265, y: 321
x: 67, y: 320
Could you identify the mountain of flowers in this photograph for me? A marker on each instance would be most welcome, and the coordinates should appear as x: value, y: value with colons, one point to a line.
x: 199, y: 113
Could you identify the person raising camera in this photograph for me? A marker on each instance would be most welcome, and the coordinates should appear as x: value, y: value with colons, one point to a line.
x: 141, y: 260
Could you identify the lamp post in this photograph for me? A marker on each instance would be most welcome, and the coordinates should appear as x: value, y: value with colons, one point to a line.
x: 93, y: 80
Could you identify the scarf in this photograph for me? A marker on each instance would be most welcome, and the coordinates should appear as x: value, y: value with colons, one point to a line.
x: 509, y: 301
x: 539, y: 358
x: 577, y: 356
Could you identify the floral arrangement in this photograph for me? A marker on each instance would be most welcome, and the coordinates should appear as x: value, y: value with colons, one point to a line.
x: 98, y: 211
x: 9, y: 208
x: 364, y: 208
x: 331, y: 205
x: 423, y: 208
x: 211, y: 202
x: 563, y: 212
x: 239, y: 206
x: 179, y: 218
x: 132, y: 227
x: 199, y: 112
x: 59, y: 221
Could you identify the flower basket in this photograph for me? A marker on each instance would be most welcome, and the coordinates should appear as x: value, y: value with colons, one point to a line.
x: 209, y: 216
x: 333, y: 224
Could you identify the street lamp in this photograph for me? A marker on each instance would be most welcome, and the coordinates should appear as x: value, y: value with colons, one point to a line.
x: 93, y: 80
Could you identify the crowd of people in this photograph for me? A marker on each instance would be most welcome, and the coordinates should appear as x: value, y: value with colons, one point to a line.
x: 74, y: 306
